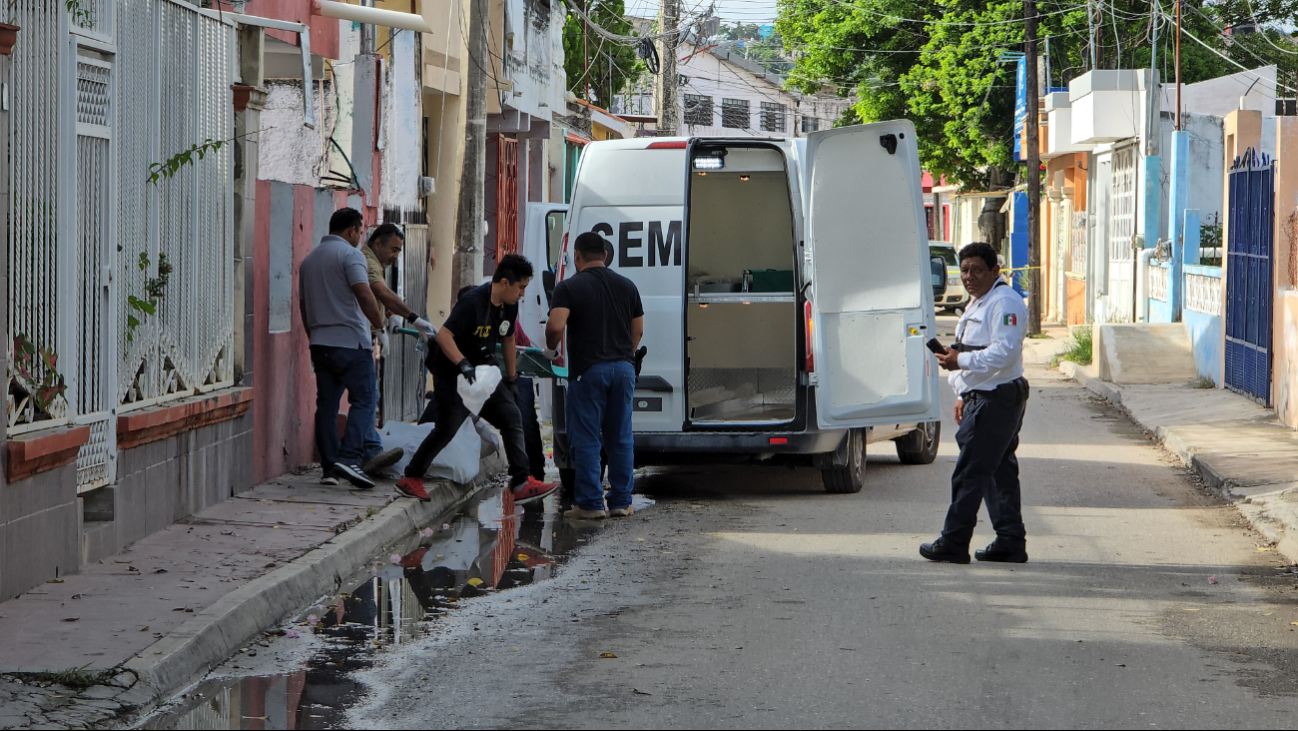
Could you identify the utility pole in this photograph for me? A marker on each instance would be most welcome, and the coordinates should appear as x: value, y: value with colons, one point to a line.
x: 585, y: 49
x: 1178, y: 65
x: 469, y: 218
x: 1033, y: 171
x: 667, y: 107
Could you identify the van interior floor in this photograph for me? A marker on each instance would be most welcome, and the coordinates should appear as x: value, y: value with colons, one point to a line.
x: 741, y: 316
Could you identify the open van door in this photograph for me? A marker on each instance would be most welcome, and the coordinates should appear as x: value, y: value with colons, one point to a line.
x: 871, y: 297
x: 542, y: 245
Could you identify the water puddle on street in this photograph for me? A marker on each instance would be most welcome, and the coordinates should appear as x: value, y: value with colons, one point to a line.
x: 491, y: 545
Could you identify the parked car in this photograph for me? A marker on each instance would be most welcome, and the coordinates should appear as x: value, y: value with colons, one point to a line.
x: 956, y: 298
x: 787, y: 295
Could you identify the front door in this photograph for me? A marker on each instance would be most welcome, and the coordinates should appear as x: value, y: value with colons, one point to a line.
x: 872, y: 302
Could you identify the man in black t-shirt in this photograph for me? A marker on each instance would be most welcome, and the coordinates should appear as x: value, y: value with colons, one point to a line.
x: 604, y: 317
x: 481, y: 317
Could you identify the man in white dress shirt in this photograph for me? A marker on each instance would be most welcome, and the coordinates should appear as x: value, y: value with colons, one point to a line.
x: 986, y: 364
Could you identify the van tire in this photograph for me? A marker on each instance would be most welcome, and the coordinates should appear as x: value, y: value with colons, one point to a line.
x: 920, y: 446
x: 849, y: 478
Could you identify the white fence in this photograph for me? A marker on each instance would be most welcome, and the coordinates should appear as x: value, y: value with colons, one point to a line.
x: 1203, y: 293
x: 102, y: 90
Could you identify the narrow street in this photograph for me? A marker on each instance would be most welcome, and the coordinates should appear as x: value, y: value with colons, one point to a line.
x: 749, y: 598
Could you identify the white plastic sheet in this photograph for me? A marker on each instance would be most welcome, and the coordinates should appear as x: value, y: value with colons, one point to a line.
x: 476, y: 394
x: 458, y: 462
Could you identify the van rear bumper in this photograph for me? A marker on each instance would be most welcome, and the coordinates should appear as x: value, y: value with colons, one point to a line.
x: 767, y: 442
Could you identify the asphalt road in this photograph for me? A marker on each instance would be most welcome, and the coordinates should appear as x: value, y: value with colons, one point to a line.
x: 749, y: 598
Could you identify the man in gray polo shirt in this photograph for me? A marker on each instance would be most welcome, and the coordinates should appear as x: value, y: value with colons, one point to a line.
x: 338, y: 308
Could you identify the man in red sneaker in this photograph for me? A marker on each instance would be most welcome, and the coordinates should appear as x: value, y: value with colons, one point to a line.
x: 482, y: 317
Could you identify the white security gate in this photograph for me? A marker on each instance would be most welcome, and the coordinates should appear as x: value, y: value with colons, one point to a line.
x: 1121, y: 237
x: 96, y: 318
x: 101, y: 90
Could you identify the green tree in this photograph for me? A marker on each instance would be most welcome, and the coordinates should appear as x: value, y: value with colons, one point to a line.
x: 613, y: 66
x: 940, y: 63
x: 769, y: 51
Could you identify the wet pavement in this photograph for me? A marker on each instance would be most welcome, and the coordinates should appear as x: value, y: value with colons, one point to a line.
x: 303, y: 675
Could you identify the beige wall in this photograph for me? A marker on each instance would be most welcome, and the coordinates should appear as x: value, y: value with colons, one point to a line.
x: 1284, y: 330
x: 445, y: 133
x: 737, y: 224
x: 760, y: 335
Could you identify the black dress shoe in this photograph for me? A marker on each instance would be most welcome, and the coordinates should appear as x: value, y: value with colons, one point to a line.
x: 1000, y: 553
x: 940, y: 551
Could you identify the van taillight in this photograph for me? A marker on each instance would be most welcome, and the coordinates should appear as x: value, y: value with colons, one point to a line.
x: 811, y: 360
x: 667, y: 145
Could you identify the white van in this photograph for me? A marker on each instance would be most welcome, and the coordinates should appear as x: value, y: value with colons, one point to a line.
x: 786, y: 288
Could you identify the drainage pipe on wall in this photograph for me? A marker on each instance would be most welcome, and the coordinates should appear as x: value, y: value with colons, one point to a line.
x: 371, y: 16
x: 1142, y: 283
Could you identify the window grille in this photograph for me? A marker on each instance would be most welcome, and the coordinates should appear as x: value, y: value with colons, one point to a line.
x: 698, y: 110
x: 735, y: 114
x: 810, y: 124
x: 773, y: 117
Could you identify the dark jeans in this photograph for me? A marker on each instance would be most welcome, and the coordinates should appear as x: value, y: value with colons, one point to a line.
x: 525, y: 397
x: 599, y: 411
x: 350, y: 370
x: 987, y: 469
x: 447, y: 412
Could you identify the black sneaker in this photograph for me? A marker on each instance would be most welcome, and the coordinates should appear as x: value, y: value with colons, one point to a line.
x: 940, y: 551
x: 354, y: 474
x: 998, y: 552
x: 383, y: 460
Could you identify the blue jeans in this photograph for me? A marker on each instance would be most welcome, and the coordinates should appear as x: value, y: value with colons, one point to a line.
x: 350, y: 370
x: 599, y: 411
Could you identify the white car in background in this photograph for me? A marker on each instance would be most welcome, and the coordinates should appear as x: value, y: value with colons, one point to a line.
x: 956, y: 297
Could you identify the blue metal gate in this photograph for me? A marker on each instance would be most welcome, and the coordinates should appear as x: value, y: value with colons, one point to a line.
x: 1248, y: 276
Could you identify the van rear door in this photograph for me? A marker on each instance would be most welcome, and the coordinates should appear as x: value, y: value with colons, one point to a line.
x: 632, y: 192
x: 872, y: 302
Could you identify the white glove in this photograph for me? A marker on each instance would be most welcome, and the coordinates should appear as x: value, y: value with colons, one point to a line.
x: 383, y: 343
x: 424, y: 327
x: 395, y: 322
x: 549, y: 354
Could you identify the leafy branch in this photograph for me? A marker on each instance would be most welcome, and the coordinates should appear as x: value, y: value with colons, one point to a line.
x: 154, y: 289
x: 38, y: 373
x: 172, y: 165
x: 80, y: 15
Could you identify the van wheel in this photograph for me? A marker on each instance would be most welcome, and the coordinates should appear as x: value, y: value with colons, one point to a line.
x: 920, y: 446
x: 851, y: 476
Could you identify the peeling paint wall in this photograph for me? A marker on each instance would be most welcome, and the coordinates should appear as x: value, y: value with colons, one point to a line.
x: 401, y: 135
x: 533, y: 47
x: 289, y: 151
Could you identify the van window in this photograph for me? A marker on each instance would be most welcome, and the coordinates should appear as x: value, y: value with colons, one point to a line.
x: 554, y: 221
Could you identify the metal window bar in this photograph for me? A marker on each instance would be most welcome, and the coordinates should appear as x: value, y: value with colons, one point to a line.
x: 773, y: 117
x: 1122, y: 213
x: 698, y: 110
x: 35, y: 156
x: 735, y: 114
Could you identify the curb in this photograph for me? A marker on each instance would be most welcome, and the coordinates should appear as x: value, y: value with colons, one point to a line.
x: 216, y: 633
x: 1286, y: 545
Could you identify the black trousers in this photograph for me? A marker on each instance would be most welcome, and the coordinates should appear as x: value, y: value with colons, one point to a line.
x: 447, y: 412
x: 987, y: 469
x: 525, y: 397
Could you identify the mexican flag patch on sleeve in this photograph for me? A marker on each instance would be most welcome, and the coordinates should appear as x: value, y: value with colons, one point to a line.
x: 1010, y: 320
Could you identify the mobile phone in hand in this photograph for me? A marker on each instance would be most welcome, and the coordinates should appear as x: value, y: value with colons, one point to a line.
x: 936, y: 347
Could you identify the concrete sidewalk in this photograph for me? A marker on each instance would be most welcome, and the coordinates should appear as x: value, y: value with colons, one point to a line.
x: 139, y: 626
x: 1238, y: 447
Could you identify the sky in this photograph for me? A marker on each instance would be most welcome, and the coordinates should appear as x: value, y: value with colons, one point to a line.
x: 730, y: 11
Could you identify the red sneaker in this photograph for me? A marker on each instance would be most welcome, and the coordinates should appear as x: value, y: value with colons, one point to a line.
x: 412, y: 487
x: 532, y: 490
